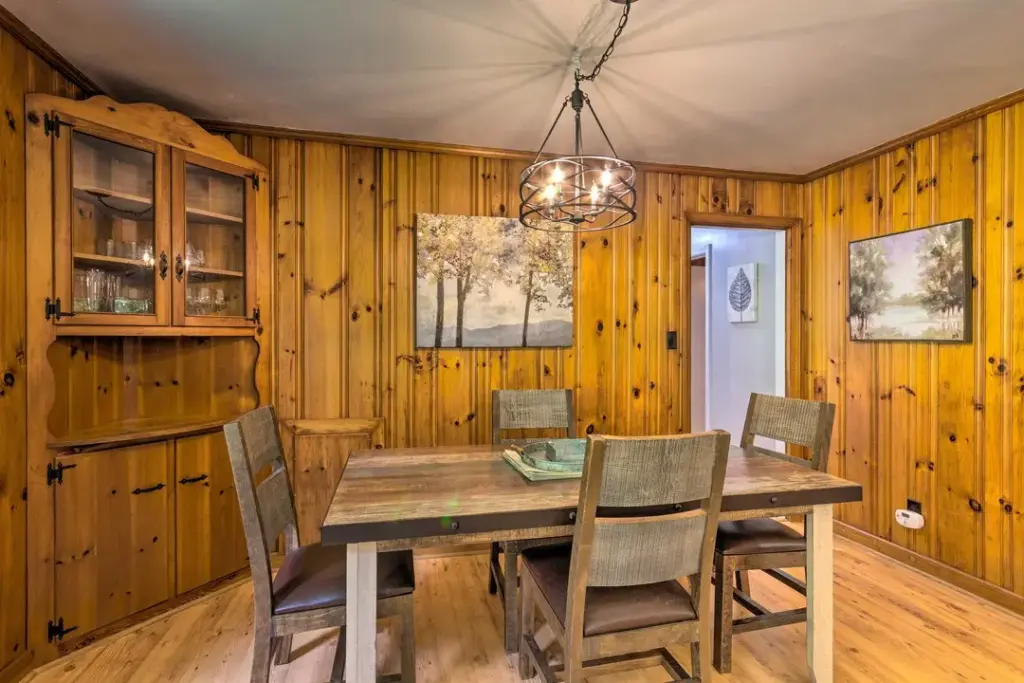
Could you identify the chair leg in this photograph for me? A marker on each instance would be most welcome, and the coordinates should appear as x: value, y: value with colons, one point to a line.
x: 338, y: 670
x: 408, y: 644
x: 725, y: 574
x: 511, y: 591
x: 492, y: 584
x: 262, y: 649
x: 527, y: 627
x: 743, y: 581
x: 282, y: 649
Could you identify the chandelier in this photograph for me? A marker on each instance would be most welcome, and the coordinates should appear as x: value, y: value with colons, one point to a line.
x: 579, y: 192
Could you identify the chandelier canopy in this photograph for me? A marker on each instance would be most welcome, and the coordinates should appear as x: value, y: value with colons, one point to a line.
x: 580, y: 192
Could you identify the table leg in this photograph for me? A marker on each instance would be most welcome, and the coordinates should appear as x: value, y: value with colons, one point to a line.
x: 361, y: 614
x: 819, y: 594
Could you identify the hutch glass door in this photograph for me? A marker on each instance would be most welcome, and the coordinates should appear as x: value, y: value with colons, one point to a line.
x: 218, y: 250
x: 111, y: 248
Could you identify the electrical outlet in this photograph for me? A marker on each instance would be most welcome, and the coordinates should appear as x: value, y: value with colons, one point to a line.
x: 914, y: 506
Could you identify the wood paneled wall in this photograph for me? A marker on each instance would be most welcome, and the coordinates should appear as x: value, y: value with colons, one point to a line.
x: 21, y: 71
x: 939, y: 423
x: 345, y: 220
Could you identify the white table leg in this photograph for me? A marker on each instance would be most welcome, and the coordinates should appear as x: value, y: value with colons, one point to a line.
x: 819, y: 594
x: 361, y: 614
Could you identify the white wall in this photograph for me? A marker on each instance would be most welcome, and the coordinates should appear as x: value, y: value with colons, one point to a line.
x: 744, y: 357
x: 698, y: 352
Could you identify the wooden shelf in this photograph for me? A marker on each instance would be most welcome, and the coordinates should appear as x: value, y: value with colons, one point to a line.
x: 204, y: 216
x: 110, y: 262
x: 137, y: 431
x: 215, y: 273
x: 244, y: 329
x: 119, y: 203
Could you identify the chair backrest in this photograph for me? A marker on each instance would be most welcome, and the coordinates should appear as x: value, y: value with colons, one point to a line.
x: 648, y: 512
x: 267, y: 508
x: 531, y: 409
x: 794, y: 421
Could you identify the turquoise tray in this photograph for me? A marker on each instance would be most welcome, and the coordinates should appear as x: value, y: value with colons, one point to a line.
x: 556, y: 455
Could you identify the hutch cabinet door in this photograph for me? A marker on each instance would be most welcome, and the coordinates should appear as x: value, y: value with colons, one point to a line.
x: 113, y: 528
x: 112, y: 236
x: 214, y: 233
x: 210, y: 537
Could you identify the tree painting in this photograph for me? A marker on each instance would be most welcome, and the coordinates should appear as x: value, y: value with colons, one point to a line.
x: 742, y: 293
x: 912, y: 285
x: 491, y: 282
x: 869, y: 282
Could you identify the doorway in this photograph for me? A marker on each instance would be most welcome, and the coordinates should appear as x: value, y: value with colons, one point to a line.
x: 737, y: 323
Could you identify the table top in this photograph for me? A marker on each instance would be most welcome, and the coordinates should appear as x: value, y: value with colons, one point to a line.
x: 389, y: 494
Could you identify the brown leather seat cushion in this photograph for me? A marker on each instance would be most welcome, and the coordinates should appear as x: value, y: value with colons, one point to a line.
x: 313, y: 577
x: 608, y: 609
x: 758, y: 536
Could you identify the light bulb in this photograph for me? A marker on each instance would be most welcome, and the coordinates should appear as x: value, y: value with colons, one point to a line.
x: 549, y: 192
x: 595, y: 194
x: 606, y: 177
x: 558, y: 175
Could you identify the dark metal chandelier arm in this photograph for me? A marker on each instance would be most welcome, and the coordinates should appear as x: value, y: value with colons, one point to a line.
x: 610, y: 49
x: 601, y: 127
x: 565, y: 103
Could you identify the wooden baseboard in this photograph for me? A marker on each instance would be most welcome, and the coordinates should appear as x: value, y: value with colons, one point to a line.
x: 17, y: 668
x: 926, y: 565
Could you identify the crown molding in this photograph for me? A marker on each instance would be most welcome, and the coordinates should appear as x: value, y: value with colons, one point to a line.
x: 953, y: 121
x: 30, y: 39
x: 229, y: 127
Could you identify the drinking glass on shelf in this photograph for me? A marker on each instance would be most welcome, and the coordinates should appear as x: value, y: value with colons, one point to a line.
x: 95, y: 289
x: 111, y: 248
x: 129, y: 250
x: 220, y: 302
x: 146, y: 251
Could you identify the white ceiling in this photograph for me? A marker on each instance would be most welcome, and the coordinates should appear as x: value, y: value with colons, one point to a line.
x: 775, y: 85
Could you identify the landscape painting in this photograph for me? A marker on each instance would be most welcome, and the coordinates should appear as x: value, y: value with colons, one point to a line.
x: 912, y: 286
x: 491, y: 282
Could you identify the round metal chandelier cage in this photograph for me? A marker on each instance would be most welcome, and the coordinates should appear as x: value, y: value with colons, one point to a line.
x: 580, y: 192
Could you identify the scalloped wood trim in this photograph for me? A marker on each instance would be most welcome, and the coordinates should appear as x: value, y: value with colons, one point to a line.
x: 143, y: 120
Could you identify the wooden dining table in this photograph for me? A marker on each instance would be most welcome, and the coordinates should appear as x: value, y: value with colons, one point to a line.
x: 392, y: 499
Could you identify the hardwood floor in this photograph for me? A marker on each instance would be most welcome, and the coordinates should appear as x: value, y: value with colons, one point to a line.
x: 893, y: 625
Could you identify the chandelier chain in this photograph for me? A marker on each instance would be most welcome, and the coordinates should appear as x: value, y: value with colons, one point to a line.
x: 610, y: 49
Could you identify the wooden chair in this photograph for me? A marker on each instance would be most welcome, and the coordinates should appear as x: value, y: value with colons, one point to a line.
x: 766, y: 544
x: 308, y: 592
x: 522, y: 409
x: 647, y: 515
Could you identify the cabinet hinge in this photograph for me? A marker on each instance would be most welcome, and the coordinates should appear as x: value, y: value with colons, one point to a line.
x: 255, y: 319
x: 56, y: 474
x: 255, y: 178
x: 52, y: 310
x: 56, y: 630
x: 52, y: 124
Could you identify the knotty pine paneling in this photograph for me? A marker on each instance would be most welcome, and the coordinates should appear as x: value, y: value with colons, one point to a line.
x: 345, y: 217
x: 940, y: 423
x: 21, y: 72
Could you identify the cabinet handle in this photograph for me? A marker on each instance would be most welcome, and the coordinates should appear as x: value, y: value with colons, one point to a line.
x: 193, y: 480
x: 151, y: 489
x: 163, y: 265
x: 179, y: 267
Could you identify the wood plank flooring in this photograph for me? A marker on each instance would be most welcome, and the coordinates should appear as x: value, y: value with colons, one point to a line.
x: 893, y: 625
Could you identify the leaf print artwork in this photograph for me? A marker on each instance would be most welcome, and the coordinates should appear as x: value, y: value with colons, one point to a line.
x: 743, y: 293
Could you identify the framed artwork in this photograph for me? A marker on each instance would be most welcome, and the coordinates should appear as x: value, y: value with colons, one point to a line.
x: 912, y: 286
x: 742, y: 291
x: 492, y: 282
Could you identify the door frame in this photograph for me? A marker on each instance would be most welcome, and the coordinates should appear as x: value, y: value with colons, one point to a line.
x: 703, y: 252
x: 794, y: 229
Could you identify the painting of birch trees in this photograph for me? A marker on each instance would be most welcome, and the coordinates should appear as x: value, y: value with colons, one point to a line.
x: 491, y: 282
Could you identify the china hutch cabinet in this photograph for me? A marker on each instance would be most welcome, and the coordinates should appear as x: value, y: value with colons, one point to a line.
x: 148, y: 266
